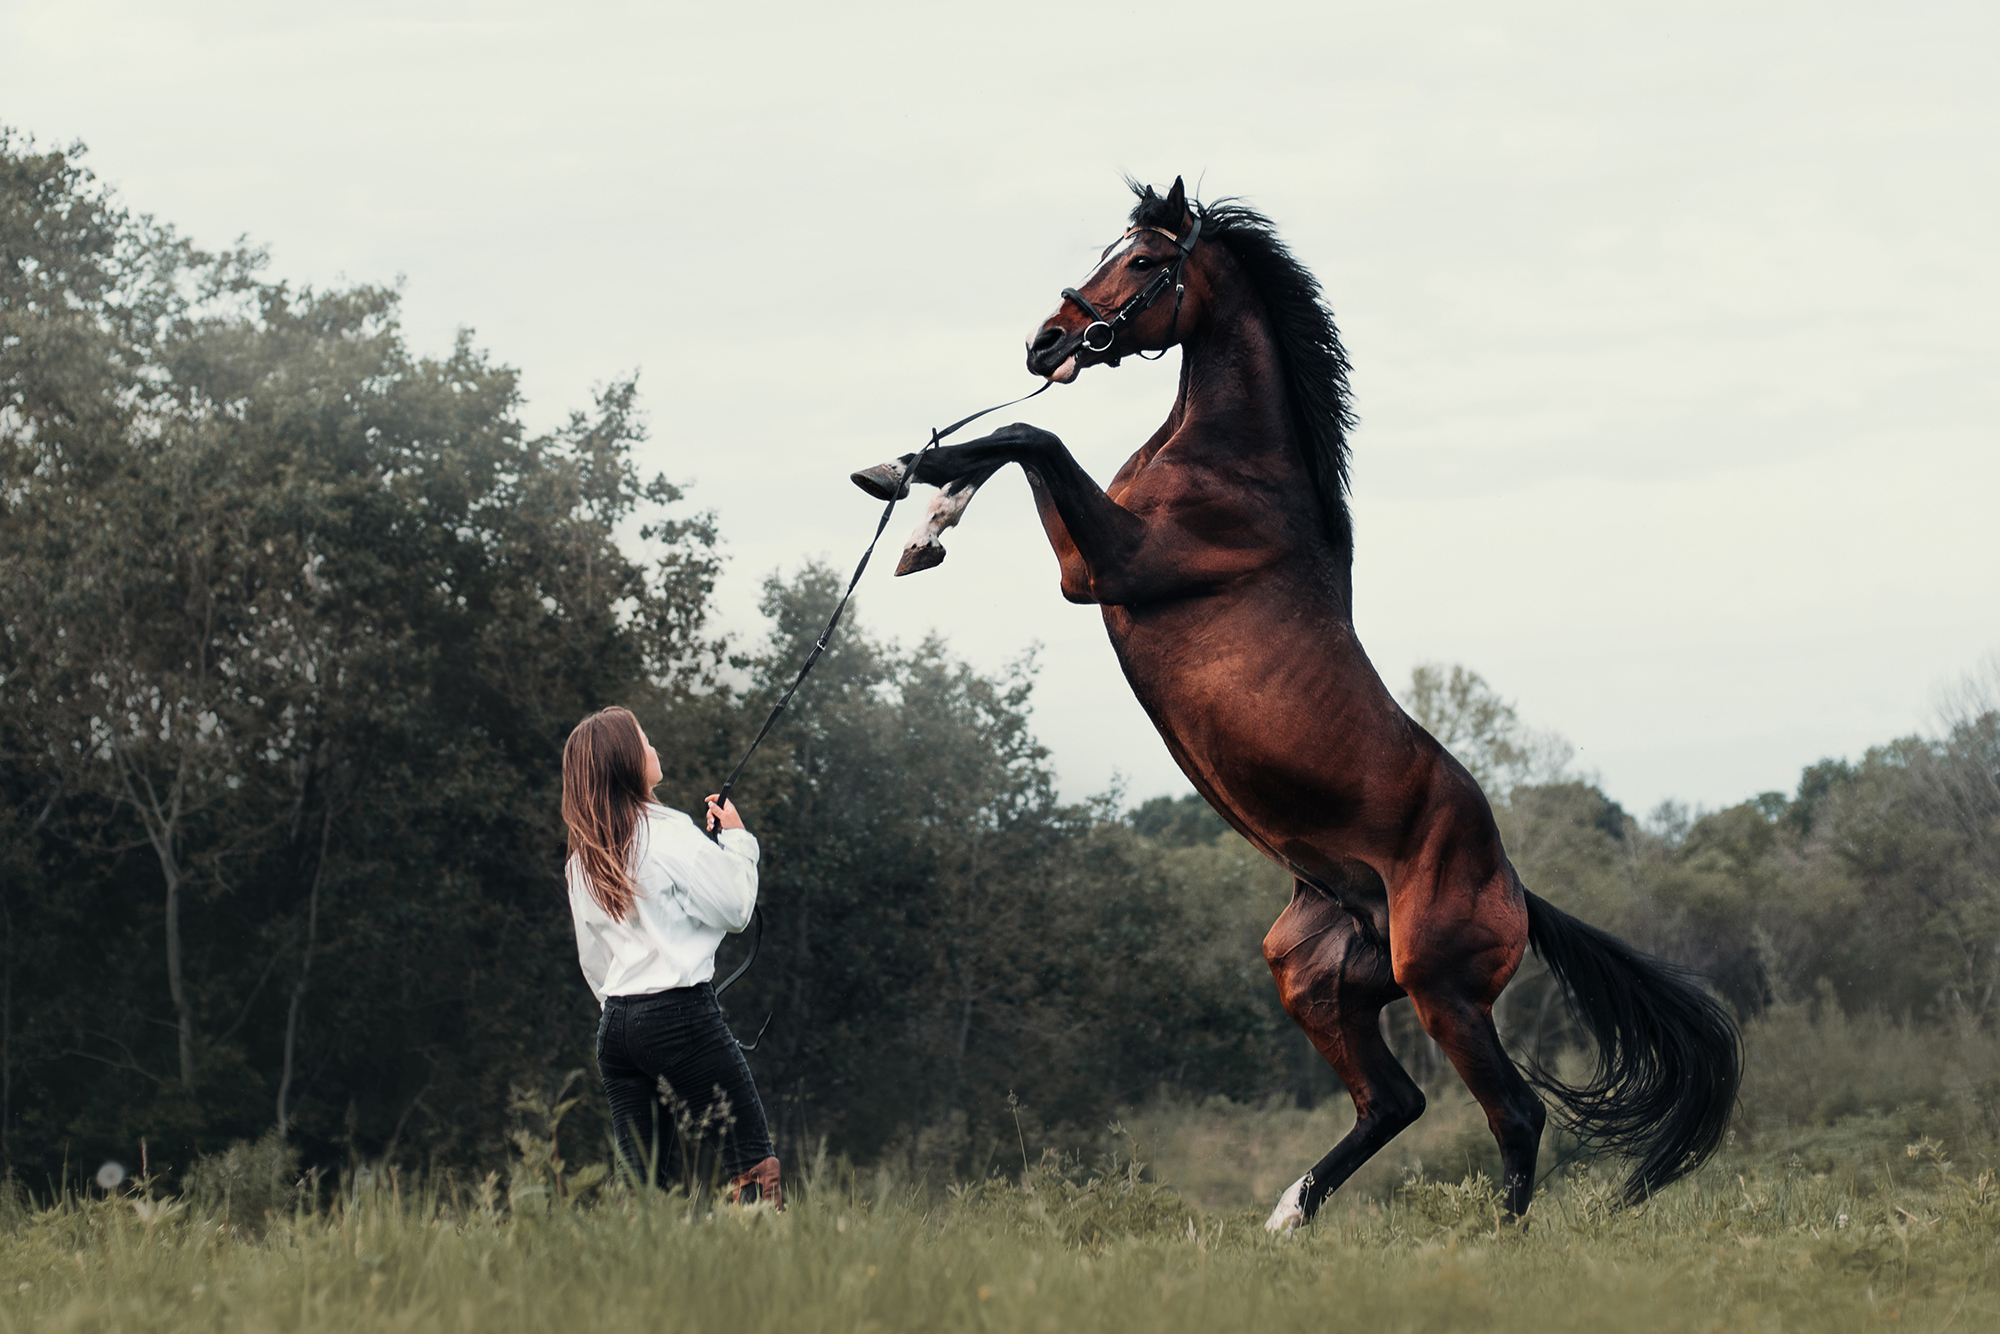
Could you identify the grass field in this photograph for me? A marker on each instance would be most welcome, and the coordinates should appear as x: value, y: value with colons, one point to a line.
x: 1816, y: 1217
x: 1908, y: 1246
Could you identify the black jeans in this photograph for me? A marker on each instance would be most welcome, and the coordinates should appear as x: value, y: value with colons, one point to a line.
x: 681, y: 1094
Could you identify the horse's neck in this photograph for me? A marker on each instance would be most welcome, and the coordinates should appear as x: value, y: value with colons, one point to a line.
x: 1231, y: 410
x: 1233, y: 414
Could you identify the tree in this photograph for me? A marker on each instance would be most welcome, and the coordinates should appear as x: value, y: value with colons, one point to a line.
x: 1482, y: 730
x: 294, y: 624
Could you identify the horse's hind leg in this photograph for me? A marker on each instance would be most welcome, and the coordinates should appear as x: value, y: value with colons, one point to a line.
x: 1454, y: 969
x: 1334, y: 975
x: 1513, y: 1113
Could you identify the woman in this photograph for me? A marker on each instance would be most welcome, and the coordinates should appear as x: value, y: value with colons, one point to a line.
x: 652, y: 896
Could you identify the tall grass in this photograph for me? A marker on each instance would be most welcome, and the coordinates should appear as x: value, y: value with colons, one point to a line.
x: 1844, y: 1093
x: 1811, y: 1067
x: 1058, y: 1251
x: 1878, y: 1230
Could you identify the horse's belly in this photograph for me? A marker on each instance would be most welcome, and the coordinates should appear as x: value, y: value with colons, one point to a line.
x: 1279, y: 720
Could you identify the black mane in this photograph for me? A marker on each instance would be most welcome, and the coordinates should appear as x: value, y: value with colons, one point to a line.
x: 1313, y: 362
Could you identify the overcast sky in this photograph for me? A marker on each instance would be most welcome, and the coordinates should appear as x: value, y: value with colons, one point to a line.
x: 1674, y: 332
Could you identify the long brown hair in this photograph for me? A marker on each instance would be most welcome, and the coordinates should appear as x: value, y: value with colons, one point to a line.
x: 604, y: 791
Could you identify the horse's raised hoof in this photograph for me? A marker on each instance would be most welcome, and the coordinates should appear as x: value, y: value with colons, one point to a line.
x: 1291, y: 1212
x: 886, y: 481
x: 920, y: 556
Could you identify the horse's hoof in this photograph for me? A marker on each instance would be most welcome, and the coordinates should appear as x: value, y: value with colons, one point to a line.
x: 885, y: 481
x: 920, y: 556
x: 1285, y: 1219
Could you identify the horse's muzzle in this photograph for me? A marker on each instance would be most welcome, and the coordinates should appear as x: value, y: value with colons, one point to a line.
x: 1053, y: 351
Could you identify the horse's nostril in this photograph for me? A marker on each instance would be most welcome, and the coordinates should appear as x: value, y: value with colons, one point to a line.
x: 1046, y: 339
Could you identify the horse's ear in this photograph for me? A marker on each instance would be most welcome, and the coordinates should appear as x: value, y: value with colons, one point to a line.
x: 1177, y: 202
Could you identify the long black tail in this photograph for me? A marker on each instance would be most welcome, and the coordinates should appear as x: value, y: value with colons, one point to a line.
x: 1669, y: 1057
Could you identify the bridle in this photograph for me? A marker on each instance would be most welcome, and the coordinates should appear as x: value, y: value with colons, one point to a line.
x: 1102, y: 332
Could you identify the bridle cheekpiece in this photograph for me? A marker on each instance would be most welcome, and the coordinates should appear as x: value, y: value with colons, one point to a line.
x: 1102, y: 331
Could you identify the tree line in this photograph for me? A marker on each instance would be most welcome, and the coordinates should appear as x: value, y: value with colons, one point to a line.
x: 293, y: 623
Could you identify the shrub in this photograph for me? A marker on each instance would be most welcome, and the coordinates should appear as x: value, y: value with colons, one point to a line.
x: 246, y: 1181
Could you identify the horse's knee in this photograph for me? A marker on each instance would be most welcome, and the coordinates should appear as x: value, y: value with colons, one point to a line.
x: 1021, y: 433
x: 1397, y: 1106
x: 936, y: 468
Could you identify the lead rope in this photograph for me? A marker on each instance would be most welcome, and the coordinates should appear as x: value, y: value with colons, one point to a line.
x: 819, y: 647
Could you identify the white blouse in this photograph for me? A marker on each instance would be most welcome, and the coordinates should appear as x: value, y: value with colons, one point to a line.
x: 688, y: 892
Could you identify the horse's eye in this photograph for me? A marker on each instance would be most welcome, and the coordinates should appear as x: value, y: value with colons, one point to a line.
x: 1141, y: 262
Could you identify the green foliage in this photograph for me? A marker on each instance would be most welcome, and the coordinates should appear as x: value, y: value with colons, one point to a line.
x: 246, y: 1182
x: 1748, y: 1242
x: 1817, y: 1066
x: 1178, y: 822
x: 535, y: 1172
x: 294, y: 625
x: 1473, y: 1203
x: 1481, y: 730
x: 1059, y: 1201
x: 1875, y: 889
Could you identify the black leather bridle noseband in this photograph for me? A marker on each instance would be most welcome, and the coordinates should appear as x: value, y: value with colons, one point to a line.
x: 1102, y: 332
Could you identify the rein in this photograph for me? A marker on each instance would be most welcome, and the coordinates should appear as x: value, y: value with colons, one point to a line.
x: 1144, y: 299
x: 812, y: 659
x: 1098, y: 336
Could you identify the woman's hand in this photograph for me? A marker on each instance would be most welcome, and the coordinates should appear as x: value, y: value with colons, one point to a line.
x: 723, y: 816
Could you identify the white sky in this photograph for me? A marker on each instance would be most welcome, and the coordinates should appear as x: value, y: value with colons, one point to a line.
x: 1674, y: 333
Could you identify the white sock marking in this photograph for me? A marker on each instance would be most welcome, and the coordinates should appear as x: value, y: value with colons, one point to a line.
x: 947, y: 507
x: 1290, y: 1211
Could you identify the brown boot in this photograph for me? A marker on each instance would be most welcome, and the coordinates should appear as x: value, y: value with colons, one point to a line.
x: 759, y: 1183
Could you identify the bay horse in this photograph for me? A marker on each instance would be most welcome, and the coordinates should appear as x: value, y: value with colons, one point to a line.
x: 1221, y: 555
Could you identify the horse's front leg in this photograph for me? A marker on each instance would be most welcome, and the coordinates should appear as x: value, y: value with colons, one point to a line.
x: 958, y: 478
x: 1101, y: 546
x: 924, y: 549
x: 947, y: 507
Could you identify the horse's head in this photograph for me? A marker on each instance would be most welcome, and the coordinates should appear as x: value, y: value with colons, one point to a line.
x: 1140, y: 298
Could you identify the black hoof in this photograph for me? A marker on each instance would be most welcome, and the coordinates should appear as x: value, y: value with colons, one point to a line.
x: 917, y: 558
x: 884, y: 481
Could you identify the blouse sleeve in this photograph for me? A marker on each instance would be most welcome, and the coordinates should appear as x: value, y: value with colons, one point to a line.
x: 719, y: 879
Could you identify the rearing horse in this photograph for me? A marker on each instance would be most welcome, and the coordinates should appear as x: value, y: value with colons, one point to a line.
x: 1222, y: 557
